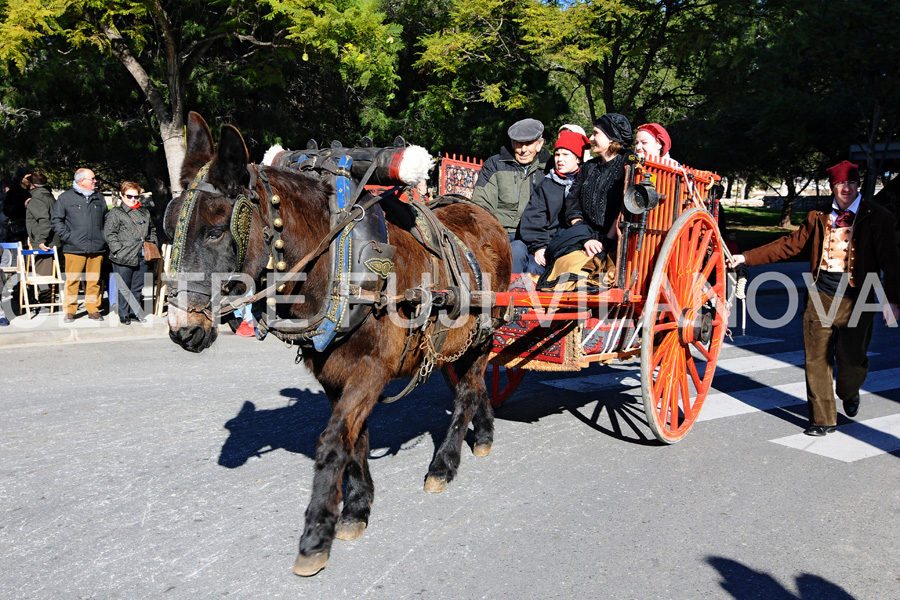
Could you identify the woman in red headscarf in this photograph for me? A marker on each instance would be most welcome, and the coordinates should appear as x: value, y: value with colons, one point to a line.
x: 652, y: 139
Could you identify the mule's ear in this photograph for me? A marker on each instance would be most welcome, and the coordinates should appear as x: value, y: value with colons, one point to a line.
x: 200, y: 148
x: 230, y: 169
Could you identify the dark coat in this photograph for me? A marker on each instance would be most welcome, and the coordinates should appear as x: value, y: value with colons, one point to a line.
x: 126, y: 230
x: 79, y: 222
x: 543, y: 213
x: 614, y: 197
x: 37, y: 218
x: 873, y: 248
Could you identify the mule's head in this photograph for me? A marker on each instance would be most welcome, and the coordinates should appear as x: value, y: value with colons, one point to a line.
x: 216, y: 230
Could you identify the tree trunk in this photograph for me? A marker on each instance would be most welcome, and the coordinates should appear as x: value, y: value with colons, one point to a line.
x: 728, y: 187
x: 868, y: 189
x: 787, y: 206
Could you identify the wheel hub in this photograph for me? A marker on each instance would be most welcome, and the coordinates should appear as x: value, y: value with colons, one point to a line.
x: 695, y: 327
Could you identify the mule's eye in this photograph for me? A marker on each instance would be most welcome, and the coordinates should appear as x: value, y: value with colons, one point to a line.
x: 214, y: 234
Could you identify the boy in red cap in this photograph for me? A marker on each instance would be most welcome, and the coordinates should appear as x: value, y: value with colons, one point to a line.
x: 541, y: 217
x: 850, y: 246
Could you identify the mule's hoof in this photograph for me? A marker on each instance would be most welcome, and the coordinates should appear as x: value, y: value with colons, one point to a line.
x: 482, y: 449
x: 435, y: 485
x: 349, y: 531
x: 307, y: 566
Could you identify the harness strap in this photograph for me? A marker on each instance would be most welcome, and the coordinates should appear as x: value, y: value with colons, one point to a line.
x: 184, y: 217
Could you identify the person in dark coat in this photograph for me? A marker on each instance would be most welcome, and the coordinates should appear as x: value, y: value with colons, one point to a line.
x: 78, y: 217
x: 127, y: 227
x: 594, y: 201
x: 850, y: 245
x: 540, y: 221
x: 37, y: 215
x: 14, y: 205
x: 40, y: 232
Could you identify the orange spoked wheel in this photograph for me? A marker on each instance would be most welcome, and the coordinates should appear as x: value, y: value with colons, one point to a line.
x: 501, y: 381
x: 684, y: 320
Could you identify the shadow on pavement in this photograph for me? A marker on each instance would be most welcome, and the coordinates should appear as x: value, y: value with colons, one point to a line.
x: 743, y: 583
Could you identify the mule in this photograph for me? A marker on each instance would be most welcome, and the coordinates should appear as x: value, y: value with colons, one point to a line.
x: 353, y: 371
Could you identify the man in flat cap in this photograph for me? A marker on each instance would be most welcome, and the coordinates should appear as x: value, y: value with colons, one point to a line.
x: 850, y: 246
x: 506, y: 180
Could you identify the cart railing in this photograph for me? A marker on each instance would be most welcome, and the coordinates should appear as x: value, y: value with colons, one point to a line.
x: 458, y: 174
x: 679, y: 188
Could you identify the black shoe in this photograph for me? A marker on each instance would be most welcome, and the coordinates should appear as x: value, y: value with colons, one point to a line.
x: 138, y: 319
x: 819, y: 430
x: 851, y: 406
x: 124, y: 320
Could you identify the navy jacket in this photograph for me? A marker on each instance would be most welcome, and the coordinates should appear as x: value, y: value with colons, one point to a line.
x: 79, y: 222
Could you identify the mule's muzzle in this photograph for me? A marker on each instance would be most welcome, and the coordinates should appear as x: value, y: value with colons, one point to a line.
x: 194, y: 337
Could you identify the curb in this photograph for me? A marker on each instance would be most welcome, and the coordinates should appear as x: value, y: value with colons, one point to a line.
x: 17, y: 337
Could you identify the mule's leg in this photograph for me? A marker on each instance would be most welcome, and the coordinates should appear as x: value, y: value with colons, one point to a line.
x: 359, y: 493
x: 333, y: 453
x: 471, y: 400
x: 483, y: 419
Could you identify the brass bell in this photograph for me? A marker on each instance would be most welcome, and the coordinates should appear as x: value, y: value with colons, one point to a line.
x: 271, y: 263
x: 279, y: 244
x: 281, y: 288
x: 278, y: 222
x: 281, y: 266
x: 276, y: 199
x: 271, y: 301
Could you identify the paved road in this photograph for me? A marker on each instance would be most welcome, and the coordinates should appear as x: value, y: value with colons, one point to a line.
x: 132, y: 469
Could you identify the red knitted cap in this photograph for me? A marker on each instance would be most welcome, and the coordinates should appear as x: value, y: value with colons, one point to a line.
x: 843, y: 171
x: 572, y: 141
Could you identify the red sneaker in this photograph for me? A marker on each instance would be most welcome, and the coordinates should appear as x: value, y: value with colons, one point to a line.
x: 245, y: 329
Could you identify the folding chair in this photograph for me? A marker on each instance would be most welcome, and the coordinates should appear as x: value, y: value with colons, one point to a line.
x: 30, y: 278
x: 161, y: 279
x: 14, y: 250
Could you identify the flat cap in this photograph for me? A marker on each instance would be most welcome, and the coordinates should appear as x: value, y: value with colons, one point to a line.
x: 526, y: 130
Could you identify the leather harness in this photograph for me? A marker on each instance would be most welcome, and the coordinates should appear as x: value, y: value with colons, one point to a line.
x: 361, y: 260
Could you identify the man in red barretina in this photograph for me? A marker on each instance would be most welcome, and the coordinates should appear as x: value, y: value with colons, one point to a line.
x: 850, y: 246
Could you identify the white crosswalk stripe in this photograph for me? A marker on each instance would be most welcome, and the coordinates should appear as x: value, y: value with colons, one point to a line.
x: 855, y: 441
x: 863, y: 439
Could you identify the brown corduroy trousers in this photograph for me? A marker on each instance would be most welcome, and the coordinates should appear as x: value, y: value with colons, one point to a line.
x: 830, y: 339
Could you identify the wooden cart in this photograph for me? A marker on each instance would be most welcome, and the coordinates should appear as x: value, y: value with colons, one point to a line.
x: 667, y: 303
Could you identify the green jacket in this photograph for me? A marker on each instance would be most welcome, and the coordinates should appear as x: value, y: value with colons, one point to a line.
x: 37, y: 218
x: 504, y: 186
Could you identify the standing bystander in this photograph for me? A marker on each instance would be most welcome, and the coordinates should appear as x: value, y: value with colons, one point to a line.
x: 78, y: 219
x: 40, y: 232
x: 128, y: 226
x: 850, y: 246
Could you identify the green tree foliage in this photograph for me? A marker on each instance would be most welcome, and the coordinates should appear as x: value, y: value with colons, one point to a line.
x: 805, y: 81
x: 181, y: 52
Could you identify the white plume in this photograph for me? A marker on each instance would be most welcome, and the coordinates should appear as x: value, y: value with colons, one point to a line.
x: 271, y: 153
x: 415, y: 165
